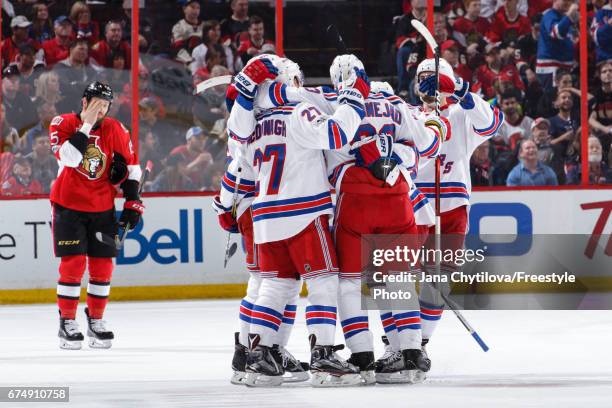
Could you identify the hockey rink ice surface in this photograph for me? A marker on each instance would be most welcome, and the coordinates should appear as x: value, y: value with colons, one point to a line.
x: 177, y: 354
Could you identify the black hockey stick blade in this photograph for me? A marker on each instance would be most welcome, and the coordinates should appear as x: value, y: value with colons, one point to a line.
x: 107, y: 239
x: 334, y: 34
x: 230, y: 252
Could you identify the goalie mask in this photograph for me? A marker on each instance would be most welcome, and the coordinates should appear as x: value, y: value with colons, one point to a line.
x: 428, y: 66
x: 342, y: 67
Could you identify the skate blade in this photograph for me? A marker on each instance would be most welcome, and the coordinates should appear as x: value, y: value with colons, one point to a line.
x: 418, y: 377
x: 70, y: 345
x: 398, y: 377
x: 260, y: 380
x: 293, y: 377
x: 369, y: 377
x: 238, y: 378
x: 99, y: 344
x: 322, y: 379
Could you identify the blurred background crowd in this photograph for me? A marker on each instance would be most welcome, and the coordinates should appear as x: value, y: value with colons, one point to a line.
x: 520, y: 55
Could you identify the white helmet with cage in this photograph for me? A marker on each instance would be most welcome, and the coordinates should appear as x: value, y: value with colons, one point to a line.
x: 342, y: 68
x: 429, y: 65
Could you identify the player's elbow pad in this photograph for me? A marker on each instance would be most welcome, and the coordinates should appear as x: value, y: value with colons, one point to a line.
x: 70, y: 155
x: 130, y: 190
x: 134, y: 172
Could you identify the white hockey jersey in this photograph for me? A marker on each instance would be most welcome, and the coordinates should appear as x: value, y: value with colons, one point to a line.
x: 385, y: 114
x: 237, y: 172
x: 471, y: 125
x: 285, y: 153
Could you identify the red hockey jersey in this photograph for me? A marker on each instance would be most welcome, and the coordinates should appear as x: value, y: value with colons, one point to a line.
x: 87, y: 187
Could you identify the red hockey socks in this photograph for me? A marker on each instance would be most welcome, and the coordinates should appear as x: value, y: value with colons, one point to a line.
x: 98, y: 289
x: 71, y: 271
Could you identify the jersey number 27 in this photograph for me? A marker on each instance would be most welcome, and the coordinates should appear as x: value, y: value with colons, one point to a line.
x: 276, y: 154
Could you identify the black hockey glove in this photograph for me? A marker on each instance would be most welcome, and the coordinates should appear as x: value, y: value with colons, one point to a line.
x: 132, y: 211
x: 118, y: 169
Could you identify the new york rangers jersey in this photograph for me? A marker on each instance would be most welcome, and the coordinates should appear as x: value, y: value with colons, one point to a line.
x: 471, y: 124
x: 285, y: 154
x: 238, y: 175
x: 556, y: 45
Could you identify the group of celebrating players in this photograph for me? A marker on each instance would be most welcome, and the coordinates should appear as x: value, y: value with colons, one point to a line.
x: 292, y: 146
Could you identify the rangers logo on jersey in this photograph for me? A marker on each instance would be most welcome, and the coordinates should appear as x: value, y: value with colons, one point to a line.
x: 94, y: 161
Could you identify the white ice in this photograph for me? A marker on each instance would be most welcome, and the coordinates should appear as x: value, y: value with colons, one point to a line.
x: 177, y: 354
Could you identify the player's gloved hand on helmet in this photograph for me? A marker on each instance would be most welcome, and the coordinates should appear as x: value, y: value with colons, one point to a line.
x: 118, y: 169
x: 369, y: 150
x: 456, y: 87
x: 227, y: 221
x: 256, y: 71
x: 132, y: 211
x: 440, y: 126
x: 362, y: 83
x: 354, y: 90
x: 230, y: 96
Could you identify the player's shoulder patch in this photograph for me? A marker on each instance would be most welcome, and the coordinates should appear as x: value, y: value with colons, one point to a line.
x: 56, y: 121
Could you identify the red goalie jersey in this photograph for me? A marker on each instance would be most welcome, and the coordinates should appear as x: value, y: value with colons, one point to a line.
x: 86, y: 186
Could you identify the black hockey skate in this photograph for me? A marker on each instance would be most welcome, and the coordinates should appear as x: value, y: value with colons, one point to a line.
x: 99, y: 336
x: 262, y: 370
x: 390, y: 367
x: 239, y: 361
x: 419, y: 375
x: 365, y: 362
x: 295, y: 370
x: 416, y: 361
x: 328, y: 369
x: 69, y: 334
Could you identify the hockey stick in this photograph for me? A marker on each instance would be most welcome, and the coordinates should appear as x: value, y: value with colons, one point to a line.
x: 332, y: 30
x: 426, y: 34
x: 231, y: 250
x: 212, y: 82
x: 117, y: 242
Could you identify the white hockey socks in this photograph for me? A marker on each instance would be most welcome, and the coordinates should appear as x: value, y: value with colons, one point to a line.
x: 354, y: 321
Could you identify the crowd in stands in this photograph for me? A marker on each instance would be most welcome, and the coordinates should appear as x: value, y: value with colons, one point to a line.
x: 521, y: 55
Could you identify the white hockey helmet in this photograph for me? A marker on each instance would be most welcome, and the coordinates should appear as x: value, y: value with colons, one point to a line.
x: 289, y: 72
x: 429, y: 65
x: 342, y: 68
x: 381, y: 86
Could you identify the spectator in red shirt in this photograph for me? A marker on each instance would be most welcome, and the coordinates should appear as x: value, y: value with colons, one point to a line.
x: 84, y: 27
x: 103, y: 51
x: 193, y: 155
x: 470, y: 28
x: 58, y: 48
x: 252, y: 42
x: 21, y: 181
x: 496, y: 68
x: 538, y: 6
x: 450, y: 52
x: 508, y: 25
x: 10, y: 46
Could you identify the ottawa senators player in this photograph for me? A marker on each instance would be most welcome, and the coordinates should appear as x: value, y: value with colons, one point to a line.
x: 95, y: 156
